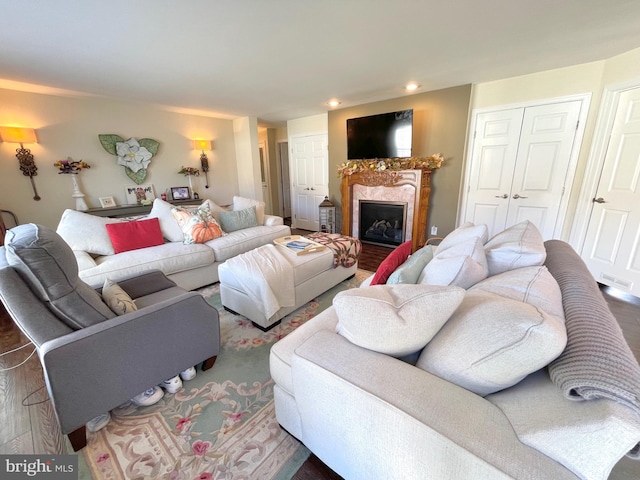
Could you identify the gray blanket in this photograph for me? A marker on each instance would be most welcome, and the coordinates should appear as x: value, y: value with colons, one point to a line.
x: 597, y: 362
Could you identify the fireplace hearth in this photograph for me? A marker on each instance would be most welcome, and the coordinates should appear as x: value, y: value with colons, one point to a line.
x: 382, y: 222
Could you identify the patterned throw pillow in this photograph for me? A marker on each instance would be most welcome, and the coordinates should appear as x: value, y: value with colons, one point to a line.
x: 199, y: 226
x: 117, y: 299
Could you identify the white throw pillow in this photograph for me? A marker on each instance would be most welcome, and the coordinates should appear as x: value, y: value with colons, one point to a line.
x: 532, y: 285
x: 463, y: 265
x: 464, y: 233
x: 394, y: 319
x: 86, y: 232
x: 240, y: 203
x: 168, y: 224
x: 520, y: 245
x: 118, y: 300
x: 491, y: 343
x: 215, y: 209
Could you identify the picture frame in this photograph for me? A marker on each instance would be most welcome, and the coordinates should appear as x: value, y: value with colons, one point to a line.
x: 107, y: 202
x: 180, y: 193
x: 139, y: 194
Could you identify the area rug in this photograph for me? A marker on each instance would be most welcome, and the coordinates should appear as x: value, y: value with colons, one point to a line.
x: 221, y: 425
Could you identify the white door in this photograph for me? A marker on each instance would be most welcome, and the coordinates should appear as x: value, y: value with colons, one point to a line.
x: 495, y: 148
x: 519, y: 166
x: 309, y: 182
x: 546, y: 143
x: 612, y: 243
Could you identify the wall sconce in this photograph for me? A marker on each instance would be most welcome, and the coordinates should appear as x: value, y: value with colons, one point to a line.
x: 24, y: 155
x: 204, y: 161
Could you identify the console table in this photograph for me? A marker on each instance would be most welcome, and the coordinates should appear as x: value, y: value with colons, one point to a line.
x: 133, y: 210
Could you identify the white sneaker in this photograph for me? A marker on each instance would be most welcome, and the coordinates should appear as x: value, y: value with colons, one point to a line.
x: 98, y: 422
x: 148, y: 397
x: 172, y: 385
x: 188, y: 374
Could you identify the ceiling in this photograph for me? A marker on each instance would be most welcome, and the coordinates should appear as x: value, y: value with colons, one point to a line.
x: 283, y: 59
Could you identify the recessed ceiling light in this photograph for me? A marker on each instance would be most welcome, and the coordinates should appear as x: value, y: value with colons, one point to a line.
x: 411, y: 86
x: 334, y: 103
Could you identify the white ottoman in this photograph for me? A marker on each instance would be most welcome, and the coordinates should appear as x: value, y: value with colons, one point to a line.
x: 313, y: 274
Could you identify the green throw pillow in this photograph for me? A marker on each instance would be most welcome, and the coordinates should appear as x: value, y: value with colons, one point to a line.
x: 410, y: 270
x: 238, y: 219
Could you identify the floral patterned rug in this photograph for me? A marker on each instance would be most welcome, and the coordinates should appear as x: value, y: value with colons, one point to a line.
x: 221, y: 425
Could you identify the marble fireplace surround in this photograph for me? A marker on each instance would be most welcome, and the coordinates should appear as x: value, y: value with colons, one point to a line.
x: 410, y: 186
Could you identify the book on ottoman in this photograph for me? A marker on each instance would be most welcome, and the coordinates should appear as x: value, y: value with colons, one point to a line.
x: 298, y: 245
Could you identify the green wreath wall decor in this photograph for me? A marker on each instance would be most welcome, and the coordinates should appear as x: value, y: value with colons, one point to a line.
x: 134, y: 155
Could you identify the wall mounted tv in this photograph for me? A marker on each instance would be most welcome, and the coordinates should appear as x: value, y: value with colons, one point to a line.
x: 387, y: 135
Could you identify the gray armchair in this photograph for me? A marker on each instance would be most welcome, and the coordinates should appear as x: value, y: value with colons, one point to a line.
x: 92, y: 359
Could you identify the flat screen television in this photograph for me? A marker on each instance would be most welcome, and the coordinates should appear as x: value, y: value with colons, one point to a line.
x: 387, y: 135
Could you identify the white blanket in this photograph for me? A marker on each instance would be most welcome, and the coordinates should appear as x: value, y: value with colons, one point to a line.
x: 266, y: 277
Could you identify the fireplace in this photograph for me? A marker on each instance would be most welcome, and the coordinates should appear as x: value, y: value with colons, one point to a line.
x: 382, y: 222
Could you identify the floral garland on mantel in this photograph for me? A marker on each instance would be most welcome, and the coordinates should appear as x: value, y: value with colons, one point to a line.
x: 350, y: 167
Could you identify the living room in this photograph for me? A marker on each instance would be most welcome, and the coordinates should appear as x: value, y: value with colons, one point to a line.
x: 68, y: 121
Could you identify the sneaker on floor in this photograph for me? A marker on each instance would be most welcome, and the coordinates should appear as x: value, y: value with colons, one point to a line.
x: 188, y: 374
x: 98, y: 422
x: 172, y: 385
x: 148, y: 397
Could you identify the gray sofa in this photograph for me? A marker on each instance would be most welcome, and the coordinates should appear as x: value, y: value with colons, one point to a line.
x: 92, y: 359
x: 191, y: 266
x: 368, y: 415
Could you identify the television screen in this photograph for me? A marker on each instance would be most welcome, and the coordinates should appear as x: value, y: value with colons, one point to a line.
x: 387, y: 135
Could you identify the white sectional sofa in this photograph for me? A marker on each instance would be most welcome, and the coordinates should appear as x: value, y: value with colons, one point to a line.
x: 502, y: 361
x: 189, y: 265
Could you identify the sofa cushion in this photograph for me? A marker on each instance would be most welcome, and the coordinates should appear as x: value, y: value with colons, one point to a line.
x: 86, y: 232
x: 492, y: 342
x: 463, y: 264
x: 395, y: 320
x: 238, y: 219
x: 464, y: 233
x: 168, y: 225
x: 198, y: 226
x: 520, y: 245
x: 242, y: 241
x: 116, y: 298
x: 127, y: 236
x: 396, y: 258
x: 48, y: 266
x: 410, y: 270
x: 240, y: 203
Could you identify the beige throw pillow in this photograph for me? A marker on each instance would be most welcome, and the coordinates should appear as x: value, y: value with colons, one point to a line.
x: 240, y: 203
x: 395, y: 319
x: 118, y: 300
x: 85, y: 232
x: 463, y: 264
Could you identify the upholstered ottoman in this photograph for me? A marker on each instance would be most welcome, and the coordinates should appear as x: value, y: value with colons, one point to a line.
x: 313, y: 274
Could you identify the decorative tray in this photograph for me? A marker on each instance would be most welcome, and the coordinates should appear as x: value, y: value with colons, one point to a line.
x: 299, y: 245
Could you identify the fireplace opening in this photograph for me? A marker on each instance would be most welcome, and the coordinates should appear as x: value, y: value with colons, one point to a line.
x: 382, y: 222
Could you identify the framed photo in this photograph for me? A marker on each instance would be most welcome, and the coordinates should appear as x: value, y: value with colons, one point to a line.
x: 107, y: 202
x: 139, y: 194
x: 180, y: 193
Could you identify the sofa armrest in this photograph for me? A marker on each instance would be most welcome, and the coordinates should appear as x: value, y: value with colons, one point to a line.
x: 412, y: 422
x: 97, y: 368
x: 146, y: 283
x: 271, y: 220
x: 85, y: 261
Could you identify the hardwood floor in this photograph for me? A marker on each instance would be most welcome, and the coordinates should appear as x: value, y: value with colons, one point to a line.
x: 29, y: 425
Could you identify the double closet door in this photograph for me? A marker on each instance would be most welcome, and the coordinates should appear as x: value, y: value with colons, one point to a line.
x: 519, y: 165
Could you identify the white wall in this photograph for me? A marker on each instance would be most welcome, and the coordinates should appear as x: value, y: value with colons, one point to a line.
x: 248, y: 157
x: 308, y: 125
x: 69, y: 127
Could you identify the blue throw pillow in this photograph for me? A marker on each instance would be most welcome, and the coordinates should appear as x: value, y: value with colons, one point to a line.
x: 410, y: 270
x: 238, y: 219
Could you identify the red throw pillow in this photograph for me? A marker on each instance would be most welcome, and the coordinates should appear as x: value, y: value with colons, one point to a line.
x: 389, y: 264
x: 134, y: 235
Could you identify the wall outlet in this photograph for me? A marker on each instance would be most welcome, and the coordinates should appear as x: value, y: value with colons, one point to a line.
x: 434, y: 230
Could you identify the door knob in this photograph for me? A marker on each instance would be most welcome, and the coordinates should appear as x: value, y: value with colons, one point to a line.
x: 598, y: 200
x: 516, y: 196
x: 502, y: 196
x: 312, y: 188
